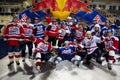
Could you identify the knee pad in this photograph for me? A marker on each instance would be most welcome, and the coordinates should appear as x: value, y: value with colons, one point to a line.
x: 77, y: 57
x: 38, y: 62
x: 38, y: 55
x: 17, y: 54
x: 58, y: 60
x: 111, y: 56
x: 73, y: 60
x: 10, y: 55
x: 111, y: 53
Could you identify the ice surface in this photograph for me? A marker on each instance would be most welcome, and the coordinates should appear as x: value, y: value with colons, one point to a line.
x: 67, y: 71
x: 63, y: 71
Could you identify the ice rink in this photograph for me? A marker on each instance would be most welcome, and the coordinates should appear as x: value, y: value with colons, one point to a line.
x: 63, y: 71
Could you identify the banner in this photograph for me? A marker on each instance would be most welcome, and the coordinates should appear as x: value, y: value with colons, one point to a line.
x: 62, y: 9
x: 90, y: 17
x: 26, y: 13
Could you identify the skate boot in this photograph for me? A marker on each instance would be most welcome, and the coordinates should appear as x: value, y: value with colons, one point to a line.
x: 10, y: 63
x: 98, y: 60
x: 23, y: 60
x: 88, y: 64
x: 109, y: 66
x: 18, y: 63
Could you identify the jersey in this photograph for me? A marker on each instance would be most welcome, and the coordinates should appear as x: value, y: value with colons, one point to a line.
x: 79, y: 34
x: 111, y: 43
x: 106, y: 29
x: 73, y: 28
x: 53, y: 32
x: 28, y: 31
x: 93, y: 26
x: 39, y: 30
x: 42, y: 46
x: 13, y: 32
x: 96, y: 33
x: 66, y: 52
x: 62, y: 32
x: 48, y: 18
x: 91, y: 44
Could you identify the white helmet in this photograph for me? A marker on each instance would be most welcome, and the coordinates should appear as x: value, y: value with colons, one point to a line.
x: 69, y: 18
x: 66, y: 42
x: 60, y: 31
x: 89, y: 32
x: 97, y: 25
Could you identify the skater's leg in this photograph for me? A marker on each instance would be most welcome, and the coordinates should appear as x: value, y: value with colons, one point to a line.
x: 17, y: 54
x: 38, y: 60
x: 30, y: 47
x: 23, y: 54
x: 111, y: 59
x: 58, y: 60
x: 98, y: 56
x: 10, y: 55
x: 11, y: 58
x: 47, y: 56
x: 76, y: 59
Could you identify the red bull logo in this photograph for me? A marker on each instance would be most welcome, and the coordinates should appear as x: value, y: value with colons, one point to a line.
x: 98, y: 19
x: 61, y: 8
x: 23, y: 19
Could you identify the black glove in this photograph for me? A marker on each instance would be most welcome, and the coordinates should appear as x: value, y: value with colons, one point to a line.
x: 6, y: 40
x: 105, y: 50
x: 21, y: 41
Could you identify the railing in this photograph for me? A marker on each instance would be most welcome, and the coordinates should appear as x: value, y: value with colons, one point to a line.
x: 105, y: 0
x: 8, y: 13
x: 3, y: 3
x: 115, y: 12
x: 105, y: 13
x: 6, y: 17
x: 10, y: 1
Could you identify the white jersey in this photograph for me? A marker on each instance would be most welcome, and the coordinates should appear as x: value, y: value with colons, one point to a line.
x: 91, y: 44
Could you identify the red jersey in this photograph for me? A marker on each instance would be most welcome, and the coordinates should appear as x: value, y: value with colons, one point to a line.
x: 42, y: 45
x: 13, y: 32
x: 28, y: 31
x: 48, y: 18
x: 80, y: 34
x: 62, y: 32
x: 73, y: 44
x: 111, y: 43
x: 53, y: 32
x: 74, y: 27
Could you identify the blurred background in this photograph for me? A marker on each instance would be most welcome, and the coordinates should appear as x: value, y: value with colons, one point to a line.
x: 8, y: 8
